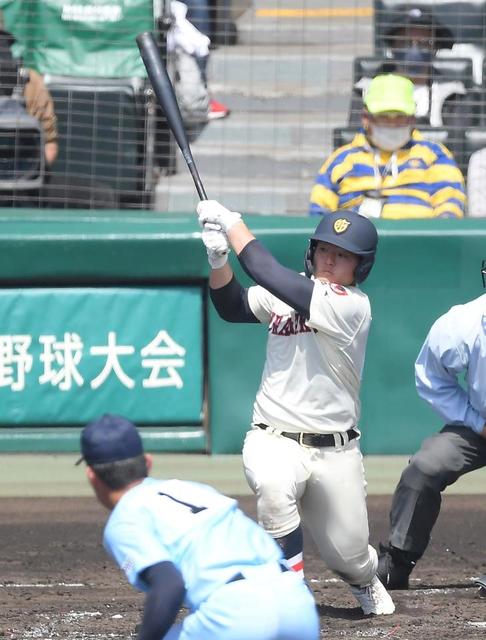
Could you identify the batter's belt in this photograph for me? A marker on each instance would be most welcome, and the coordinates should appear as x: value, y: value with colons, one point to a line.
x: 316, y: 440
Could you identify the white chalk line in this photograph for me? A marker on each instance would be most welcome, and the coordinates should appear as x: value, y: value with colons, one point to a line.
x: 26, y: 585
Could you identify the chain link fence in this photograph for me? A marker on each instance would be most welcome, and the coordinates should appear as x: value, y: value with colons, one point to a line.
x: 267, y: 91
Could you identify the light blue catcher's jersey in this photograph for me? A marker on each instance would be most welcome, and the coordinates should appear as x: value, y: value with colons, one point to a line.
x: 204, y: 533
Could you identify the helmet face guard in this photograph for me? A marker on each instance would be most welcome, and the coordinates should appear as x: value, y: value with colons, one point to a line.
x: 348, y: 230
x: 483, y: 272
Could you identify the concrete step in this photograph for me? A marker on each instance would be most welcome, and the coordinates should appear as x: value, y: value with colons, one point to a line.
x: 285, y: 21
x: 283, y: 34
x: 288, y: 83
x: 255, y: 161
x: 336, y: 101
x: 271, y: 73
x: 266, y: 195
x: 289, y: 146
x: 268, y: 129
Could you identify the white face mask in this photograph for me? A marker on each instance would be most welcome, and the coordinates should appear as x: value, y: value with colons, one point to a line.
x: 389, y: 138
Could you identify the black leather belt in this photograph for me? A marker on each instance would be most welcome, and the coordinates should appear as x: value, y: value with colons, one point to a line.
x: 240, y: 576
x: 316, y: 439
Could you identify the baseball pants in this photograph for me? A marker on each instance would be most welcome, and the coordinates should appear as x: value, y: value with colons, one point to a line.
x: 326, y: 486
x: 440, y: 461
x: 259, y: 607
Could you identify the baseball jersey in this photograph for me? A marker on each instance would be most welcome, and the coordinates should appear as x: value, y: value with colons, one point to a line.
x: 455, y: 345
x: 202, y: 532
x: 312, y: 373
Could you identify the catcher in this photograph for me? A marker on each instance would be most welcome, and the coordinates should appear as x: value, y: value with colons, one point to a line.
x: 302, y: 453
x: 185, y: 544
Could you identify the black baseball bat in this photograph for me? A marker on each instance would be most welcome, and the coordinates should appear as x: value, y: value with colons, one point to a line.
x: 166, y: 98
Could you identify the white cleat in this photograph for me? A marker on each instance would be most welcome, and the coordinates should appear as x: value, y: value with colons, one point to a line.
x: 374, y: 598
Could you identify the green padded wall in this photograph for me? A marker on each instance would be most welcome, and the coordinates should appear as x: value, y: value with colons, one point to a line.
x: 422, y: 268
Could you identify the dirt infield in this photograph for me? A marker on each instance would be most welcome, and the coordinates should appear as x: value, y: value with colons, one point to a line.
x: 57, y: 582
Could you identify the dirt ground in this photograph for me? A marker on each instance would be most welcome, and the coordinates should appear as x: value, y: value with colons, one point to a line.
x: 56, y: 582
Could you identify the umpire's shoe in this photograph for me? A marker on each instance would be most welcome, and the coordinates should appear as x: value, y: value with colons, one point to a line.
x: 394, y: 567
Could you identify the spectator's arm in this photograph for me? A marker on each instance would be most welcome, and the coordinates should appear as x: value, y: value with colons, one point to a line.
x: 51, y: 149
x: 449, y: 196
x: 39, y: 103
x: 324, y: 197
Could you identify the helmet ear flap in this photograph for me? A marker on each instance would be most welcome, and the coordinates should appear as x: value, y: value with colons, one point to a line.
x: 363, y: 269
x: 308, y: 258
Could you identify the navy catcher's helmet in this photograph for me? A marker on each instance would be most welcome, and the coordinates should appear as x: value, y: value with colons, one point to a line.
x: 483, y: 272
x: 349, y: 230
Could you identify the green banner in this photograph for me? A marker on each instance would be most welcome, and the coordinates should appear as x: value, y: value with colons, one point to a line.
x: 80, y: 37
x: 70, y: 354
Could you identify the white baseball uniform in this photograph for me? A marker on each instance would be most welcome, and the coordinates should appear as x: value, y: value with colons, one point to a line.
x: 310, y: 384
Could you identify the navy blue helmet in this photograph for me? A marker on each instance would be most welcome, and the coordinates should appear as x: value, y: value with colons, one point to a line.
x: 349, y: 230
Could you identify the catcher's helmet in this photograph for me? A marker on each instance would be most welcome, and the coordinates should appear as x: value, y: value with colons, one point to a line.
x: 349, y: 230
x: 483, y: 272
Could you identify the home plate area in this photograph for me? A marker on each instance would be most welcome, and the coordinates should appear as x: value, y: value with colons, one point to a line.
x: 57, y: 582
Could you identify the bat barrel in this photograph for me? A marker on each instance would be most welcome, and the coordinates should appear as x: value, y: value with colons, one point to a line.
x: 162, y: 86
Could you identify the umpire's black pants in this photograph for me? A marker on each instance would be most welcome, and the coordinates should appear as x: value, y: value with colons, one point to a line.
x: 440, y: 461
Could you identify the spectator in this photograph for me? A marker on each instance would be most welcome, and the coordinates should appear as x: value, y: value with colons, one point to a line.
x: 185, y: 544
x: 389, y: 170
x: 454, y: 349
x: 213, y: 19
x: 413, y: 40
x: 186, y: 38
x: 37, y: 99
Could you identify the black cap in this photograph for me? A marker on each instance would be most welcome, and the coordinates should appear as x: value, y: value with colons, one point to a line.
x: 109, y: 439
x: 408, y: 15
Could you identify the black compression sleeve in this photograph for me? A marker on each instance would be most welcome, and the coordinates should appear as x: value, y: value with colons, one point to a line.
x: 231, y: 302
x: 287, y: 285
x: 163, y: 600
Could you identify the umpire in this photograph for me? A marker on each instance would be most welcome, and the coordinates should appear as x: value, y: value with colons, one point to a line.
x: 455, y: 346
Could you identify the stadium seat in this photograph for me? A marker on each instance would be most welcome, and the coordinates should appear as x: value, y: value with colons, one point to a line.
x: 106, y: 143
x: 22, y: 162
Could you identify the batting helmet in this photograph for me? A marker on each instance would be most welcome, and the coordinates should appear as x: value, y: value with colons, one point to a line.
x: 483, y: 272
x: 351, y: 231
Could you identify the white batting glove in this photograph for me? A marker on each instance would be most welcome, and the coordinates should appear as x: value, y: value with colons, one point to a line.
x: 217, y: 247
x: 210, y: 211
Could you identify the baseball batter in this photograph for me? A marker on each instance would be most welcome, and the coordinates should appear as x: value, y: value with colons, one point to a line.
x: 185, y: 544
x: 302, y: 456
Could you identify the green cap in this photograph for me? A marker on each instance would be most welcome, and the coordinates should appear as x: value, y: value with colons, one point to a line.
x: 390, y: 92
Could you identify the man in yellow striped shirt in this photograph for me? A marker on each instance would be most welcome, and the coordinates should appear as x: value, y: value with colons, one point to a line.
x: 389, y: 170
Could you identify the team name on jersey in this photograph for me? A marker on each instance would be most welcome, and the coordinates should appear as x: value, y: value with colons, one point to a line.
x: 288, y: 325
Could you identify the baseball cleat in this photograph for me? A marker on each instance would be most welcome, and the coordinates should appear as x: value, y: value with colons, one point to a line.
x: 373, y: 598
x: 393, y: 568
x: 481, y: 583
